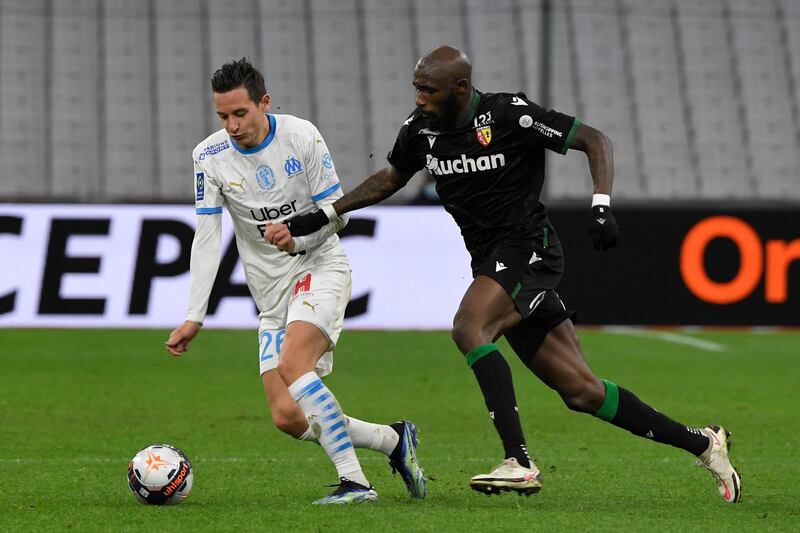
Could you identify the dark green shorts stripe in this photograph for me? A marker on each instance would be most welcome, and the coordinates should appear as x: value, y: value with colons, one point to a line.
x: 480, y: 351
x: 609, y: 408
x: 516, y: 291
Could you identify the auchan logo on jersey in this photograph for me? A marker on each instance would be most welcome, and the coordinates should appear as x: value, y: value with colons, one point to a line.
x: 770, y: 260
x: 463, y: 165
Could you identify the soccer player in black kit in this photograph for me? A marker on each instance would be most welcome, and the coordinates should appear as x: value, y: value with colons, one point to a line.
x: 486, y: 152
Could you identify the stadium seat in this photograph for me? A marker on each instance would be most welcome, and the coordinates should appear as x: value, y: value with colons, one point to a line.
x: 23, y: 111
x: 184, y: 115
x: 763, y: 68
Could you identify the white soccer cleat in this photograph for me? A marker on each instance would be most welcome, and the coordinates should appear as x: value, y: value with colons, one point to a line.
x: 509, y: 476
x: 715, y: 459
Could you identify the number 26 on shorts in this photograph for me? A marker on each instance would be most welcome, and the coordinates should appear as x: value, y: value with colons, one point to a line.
x: 269, y: 344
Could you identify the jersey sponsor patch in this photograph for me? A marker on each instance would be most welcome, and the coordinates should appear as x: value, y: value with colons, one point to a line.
x: 303, y: 284
x: 463, y: 165
x: 327, y: 162
x: 200, y: 186
x: 265, y: 178
x: 525, y: 121
x: 213, y: 149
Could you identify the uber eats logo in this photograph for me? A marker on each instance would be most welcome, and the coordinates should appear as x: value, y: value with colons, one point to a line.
x: 464, y: 164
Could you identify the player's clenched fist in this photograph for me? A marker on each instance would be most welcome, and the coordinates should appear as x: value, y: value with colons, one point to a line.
x: 279, y: 235
x: 181, y: 336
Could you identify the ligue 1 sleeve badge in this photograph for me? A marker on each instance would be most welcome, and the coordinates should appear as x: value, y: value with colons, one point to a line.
x: 484, y: 135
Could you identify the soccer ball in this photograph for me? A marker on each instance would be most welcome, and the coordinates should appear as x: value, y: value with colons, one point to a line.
x: 160, y: 475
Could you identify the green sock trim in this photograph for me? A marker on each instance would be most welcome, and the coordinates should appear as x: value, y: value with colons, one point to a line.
x: 609, y: 408
x: 480, y: 351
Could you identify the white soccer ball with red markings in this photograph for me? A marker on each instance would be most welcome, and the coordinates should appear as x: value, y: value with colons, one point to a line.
x: 160, y: 475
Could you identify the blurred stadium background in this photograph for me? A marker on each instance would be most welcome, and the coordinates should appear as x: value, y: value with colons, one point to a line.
x: 103, y: 100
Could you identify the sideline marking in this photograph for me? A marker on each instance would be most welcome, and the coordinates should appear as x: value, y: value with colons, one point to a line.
x: 667, y: 337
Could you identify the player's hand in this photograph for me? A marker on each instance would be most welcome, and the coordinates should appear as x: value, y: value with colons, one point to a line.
x: 308, y: 223
x: 181, y: 336
x: 279, y: 235
x: 603, y: 228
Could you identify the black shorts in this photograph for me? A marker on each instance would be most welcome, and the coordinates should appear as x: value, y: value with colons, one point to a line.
x: 529, y: 271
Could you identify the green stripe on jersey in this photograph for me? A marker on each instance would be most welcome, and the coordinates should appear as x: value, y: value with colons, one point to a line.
x: 473, y: 108
x: 572, y: 131
x: 479, y: 352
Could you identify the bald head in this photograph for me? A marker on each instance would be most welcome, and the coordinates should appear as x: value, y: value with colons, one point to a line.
x: 443, y: 80
x: 446, y: 64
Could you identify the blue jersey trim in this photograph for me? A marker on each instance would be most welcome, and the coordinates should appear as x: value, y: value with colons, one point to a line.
x: 327, y: 192
x: 208, y: 210
x: 264, y: 143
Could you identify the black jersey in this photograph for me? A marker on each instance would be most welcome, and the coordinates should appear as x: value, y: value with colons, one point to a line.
x: 489, y: 171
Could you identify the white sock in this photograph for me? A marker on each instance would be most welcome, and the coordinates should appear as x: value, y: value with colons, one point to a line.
x: 378, y: 437
x: 309, y: 435
x: 320, y: 406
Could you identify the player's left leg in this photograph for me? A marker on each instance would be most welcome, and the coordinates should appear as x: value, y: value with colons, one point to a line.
x: 317, y: 309
x: 398, y: 441
x: 560, y: 364
x: 302, y: 347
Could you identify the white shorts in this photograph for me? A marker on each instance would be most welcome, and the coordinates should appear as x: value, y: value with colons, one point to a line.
x: 318, y: 295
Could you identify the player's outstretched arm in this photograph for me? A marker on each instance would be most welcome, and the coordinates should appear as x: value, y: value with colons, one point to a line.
x: 598, y: 150
x: 597, y: 147
x: 179, y: 339
x: 374, y: 189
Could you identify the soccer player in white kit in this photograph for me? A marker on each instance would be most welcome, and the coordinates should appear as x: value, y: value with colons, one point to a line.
x: 265, y: 168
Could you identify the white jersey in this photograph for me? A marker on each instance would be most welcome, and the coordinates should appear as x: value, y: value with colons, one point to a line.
x: 291, y: 172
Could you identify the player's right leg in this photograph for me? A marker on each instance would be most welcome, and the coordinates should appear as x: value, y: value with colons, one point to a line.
x: 286, y: 414
x: 485, y: 311
x: 559, y: 363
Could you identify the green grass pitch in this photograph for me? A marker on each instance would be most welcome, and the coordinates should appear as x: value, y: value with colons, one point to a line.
x: 76, y: 405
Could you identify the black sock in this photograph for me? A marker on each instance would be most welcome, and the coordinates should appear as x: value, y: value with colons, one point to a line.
x: 494, y: 378
x: 623, y: 409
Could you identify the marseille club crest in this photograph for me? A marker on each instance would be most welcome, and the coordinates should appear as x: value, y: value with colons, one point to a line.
x: 484, y: 135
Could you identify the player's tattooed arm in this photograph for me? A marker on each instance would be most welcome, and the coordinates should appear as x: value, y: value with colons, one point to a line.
x: 374, y: 189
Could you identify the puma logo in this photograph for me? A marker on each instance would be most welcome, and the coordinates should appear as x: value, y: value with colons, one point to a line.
x: 312, y: 306
x: 239, y: 184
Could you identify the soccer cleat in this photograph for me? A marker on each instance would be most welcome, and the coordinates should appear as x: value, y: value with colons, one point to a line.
x: 348, y: 492
x: 715, y: 459
x: 404, y: 459
x: 509, y: 476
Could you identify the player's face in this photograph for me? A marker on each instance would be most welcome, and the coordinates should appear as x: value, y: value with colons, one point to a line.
x: 243, y: 119
x: 437, y: 101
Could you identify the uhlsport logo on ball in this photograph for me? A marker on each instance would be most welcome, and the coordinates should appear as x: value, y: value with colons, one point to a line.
x: 160, y: 474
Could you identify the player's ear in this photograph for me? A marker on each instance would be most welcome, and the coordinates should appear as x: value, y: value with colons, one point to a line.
x: 462, y: 86
x: 264, y: 104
